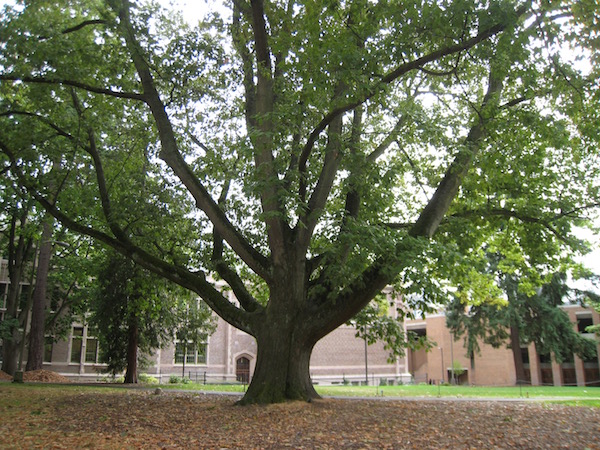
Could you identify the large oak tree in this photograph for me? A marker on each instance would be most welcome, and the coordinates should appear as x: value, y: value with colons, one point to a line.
x: 326, y: 149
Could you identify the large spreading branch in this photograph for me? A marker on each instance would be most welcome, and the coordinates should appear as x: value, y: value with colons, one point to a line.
x: 397, y: 73
x: 545, y: 222
x: 318, y: 199
x: 194, y: 281
x: 437, y: 207
x: 92, y: 150
x: 261, y: 133
x: 171, y: 155
x: 386, y: 267
x: 247, y: 301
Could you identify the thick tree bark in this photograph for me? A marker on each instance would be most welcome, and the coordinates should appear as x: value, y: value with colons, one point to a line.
x: 35, y: 354
x: 282, y: 370
x: 131, y: 375
x: 285, y: 337
x: 10, y: 353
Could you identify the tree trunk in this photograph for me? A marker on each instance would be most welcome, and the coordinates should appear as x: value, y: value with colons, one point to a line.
x: 10, y: 353
x: 473, y: 374
x: 515, y: 345
x: 35, y: 354
x: 12, y: 340
x: 282, y: 369
x: 131, y: 375
x: 184, y: 358
x: 286, y: 335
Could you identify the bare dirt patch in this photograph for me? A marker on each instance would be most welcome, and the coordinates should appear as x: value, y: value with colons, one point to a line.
x: 76, y: 418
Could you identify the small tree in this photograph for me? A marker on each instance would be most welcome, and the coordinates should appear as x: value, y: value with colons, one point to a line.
x: 457, y: 370
x: 382, y: 322
x: 134, y: 311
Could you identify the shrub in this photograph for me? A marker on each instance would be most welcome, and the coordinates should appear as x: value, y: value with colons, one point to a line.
x: 174, y: 379
x: 145, y: 378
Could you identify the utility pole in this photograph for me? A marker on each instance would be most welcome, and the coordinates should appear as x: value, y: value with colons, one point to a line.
x: 442, y: 353
x: 366, y: 360
x: 453, y: 382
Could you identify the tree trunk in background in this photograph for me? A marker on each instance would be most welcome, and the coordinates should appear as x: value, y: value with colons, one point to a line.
x: 12, y: 335
x: 10, y: 353
x: 35, y: 354
x: 131, y: 375
x: 184, y: 358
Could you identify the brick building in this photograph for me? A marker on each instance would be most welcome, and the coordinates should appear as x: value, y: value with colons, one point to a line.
x: 495, y: 367
x: 229, y: 355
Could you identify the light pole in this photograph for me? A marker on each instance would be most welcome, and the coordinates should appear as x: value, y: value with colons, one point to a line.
x: 442, y: 353
x: 453, y: 382
x: 366, y: 359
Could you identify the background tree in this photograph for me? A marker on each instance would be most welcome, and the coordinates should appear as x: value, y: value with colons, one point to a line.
x: 18, y: 239
x: 37, y: 329
x: 523, y: 318
x: 383, y: 321
x: 323, y: 150
x: 134, y: 312
x: 39, y: 290
x: 35, y: 353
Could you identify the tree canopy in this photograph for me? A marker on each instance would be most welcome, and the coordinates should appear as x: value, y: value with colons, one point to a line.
x: 314, y: 151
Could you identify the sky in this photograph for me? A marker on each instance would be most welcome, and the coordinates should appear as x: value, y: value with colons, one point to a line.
x: 193, y: 9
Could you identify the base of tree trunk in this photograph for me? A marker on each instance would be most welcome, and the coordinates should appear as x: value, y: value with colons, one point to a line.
x: 268, y: 393
x: 282, y: 373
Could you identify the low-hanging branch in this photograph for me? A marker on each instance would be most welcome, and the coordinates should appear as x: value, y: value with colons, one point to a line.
x: 72, y: 83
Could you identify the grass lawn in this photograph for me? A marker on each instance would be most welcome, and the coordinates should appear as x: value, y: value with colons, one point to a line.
x: 581, y: 396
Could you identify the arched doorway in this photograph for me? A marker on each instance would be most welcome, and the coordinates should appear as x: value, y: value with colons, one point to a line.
x: 242, y: 369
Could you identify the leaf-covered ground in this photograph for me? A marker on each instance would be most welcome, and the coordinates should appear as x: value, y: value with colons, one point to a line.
x: 76, y: 417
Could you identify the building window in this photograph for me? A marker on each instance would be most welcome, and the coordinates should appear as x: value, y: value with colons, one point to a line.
x: 193, y: 354
x: 48, y: 344
x: 76, y: 344
x: 584, y: 321
x: 525, y: 355
x: 91, y: 350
